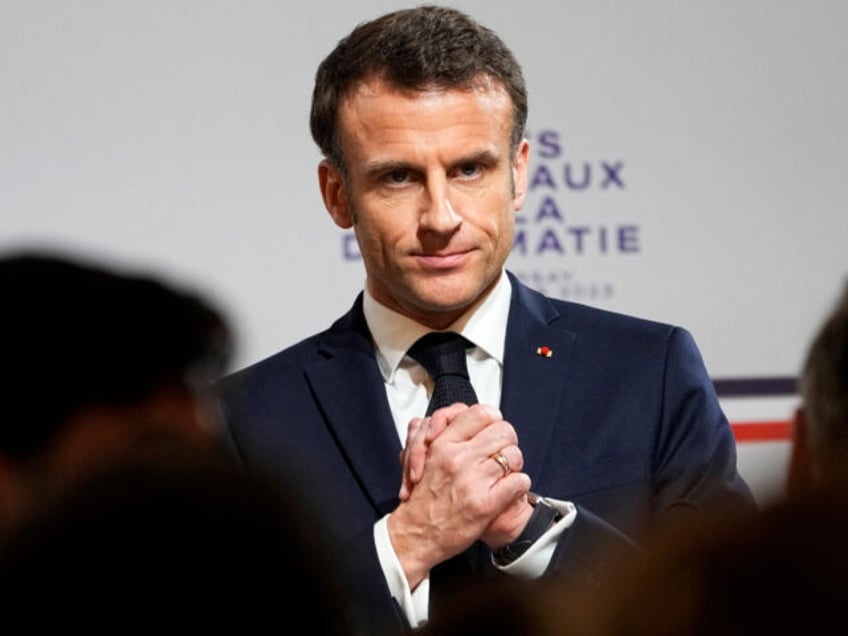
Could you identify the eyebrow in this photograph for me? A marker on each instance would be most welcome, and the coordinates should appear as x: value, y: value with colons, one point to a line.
x: 382, y: 167
x: 486, y: 157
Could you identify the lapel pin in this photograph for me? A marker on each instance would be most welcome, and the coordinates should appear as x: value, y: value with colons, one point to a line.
x: 545, y: 352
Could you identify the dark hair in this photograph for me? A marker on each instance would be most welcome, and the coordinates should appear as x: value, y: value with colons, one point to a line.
x: 171, y: 540
x: 78, y: 334
x: 824, y: 386
x: 413, y: 49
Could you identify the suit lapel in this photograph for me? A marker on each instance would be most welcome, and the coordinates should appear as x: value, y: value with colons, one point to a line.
x: 536, y: 368
x: 350, y: 391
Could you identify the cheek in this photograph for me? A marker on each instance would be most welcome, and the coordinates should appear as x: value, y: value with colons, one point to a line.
x: 506, y: 236
x: 498, y: 221
x: 384, y: 231
x: 375, y: 249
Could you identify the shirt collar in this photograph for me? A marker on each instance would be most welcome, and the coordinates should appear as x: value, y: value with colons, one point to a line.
x: 395, y: 333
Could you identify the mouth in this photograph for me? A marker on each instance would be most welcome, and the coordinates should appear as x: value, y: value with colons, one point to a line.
x: 443, y: 260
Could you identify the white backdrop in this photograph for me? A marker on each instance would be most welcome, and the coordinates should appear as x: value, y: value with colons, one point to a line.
x: 688, y: 158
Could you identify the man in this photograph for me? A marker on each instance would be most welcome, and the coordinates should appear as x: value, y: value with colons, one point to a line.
x: 420, y: 116
x: 819, y: 440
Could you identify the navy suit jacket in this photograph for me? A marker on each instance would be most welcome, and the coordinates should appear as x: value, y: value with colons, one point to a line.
x: 621, y: 419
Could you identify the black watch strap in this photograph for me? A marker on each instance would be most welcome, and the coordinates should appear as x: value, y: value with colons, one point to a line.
x: 543, y: 517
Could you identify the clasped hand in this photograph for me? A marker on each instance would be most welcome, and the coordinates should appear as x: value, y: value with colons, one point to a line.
x: 453, y: 492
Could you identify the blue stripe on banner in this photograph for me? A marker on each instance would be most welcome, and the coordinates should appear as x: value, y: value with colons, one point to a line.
x: 749, y: 387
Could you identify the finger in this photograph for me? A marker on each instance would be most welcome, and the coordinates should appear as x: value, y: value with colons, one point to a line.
x: 497, y: 435
x: 417, y: 451
x: 468, y: 422
x: 408, y: 473
x: 507, y: 460
x: 441, y: 418
x: 411, y: 428
x: 506, y: 491
x: 512, y: 519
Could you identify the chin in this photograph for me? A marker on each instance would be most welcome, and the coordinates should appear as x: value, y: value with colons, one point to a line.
x: 448, y: 299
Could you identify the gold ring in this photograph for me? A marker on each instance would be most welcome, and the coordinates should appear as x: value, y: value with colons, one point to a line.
x: 501, y: 459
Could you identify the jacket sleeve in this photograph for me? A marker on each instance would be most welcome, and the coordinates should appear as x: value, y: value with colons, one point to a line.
x: 371, y: 604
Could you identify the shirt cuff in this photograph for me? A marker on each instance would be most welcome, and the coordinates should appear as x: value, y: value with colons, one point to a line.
x: 533, y: 563
x: 414, y: 604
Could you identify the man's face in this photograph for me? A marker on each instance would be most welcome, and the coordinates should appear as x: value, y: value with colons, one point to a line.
x: 431, y: 194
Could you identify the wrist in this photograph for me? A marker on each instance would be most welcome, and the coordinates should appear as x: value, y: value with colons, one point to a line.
x: 543, y: 516
x: 408, y: 545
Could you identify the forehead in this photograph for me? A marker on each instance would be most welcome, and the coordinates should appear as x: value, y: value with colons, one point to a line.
x: 484, y: 88
x: 378, y: 113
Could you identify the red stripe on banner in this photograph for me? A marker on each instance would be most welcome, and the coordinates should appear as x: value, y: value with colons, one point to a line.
x: 777, y: 431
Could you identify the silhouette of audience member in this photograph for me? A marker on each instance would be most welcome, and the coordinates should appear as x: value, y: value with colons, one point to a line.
x: 97, y: 363
x: 778, y: 571
x: 506, y: 606
x: 121, y: 504
x: 819, y: 456
x: 189, y: 540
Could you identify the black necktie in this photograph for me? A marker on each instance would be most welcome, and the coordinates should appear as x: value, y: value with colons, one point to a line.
x: 442, y: 353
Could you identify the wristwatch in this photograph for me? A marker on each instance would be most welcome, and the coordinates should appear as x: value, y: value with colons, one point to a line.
x: 543, y: 517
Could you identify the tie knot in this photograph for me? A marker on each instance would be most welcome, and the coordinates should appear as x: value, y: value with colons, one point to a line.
x: 441, y: 352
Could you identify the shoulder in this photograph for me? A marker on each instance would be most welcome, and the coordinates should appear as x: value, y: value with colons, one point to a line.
x: 589, y: 320
x: 347, y: 333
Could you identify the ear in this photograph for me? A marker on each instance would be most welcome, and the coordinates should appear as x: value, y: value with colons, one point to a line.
x: 519, y: 173
x: 799, y: 479
x: 334, y: 193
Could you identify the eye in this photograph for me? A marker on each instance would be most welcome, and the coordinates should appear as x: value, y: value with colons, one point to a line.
x: 469, y: 169
x: 397, y: 177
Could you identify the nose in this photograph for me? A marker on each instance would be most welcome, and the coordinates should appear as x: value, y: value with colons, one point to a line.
x: 439, y: 214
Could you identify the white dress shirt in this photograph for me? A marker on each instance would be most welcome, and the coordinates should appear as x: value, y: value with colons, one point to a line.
x: 408, y: 387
